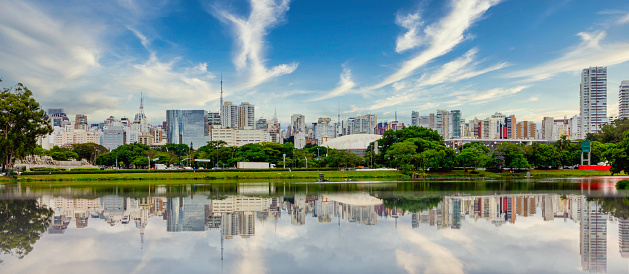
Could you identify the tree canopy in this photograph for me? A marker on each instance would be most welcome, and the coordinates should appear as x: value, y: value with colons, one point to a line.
x: 22, y: 121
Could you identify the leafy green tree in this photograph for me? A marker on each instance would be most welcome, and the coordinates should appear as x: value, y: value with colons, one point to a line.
x: 22, y: 222
x: 251, y: 153
x: 519, y: 162
x: 140, y: 161
x: 508, y: 151
x: 619, y: 156
x: 395, y: 136
x: 610, y: 133
x: 88, y: 151
x: 442, y: 159
x: 400, y: 155
x: 62, y: 154
x: 22, y: 121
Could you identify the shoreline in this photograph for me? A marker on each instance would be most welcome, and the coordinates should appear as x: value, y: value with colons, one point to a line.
x: 135, y: 175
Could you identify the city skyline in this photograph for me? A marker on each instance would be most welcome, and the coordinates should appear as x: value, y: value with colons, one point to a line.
x: 309, y: 58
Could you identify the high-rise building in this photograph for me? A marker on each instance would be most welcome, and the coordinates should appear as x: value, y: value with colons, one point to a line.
x: 455, y: 124
x: 623, y: 100
x: 547, y: 128
x: 593, y: 99
x: 593, y: 232
x: 510, y: 124
x: 415, y: 118
x: 442, y: 123
x: 246, y: 116
x: 187, y: 127
x: 623, y: 237
x: 80, y: 122
x: 229, y: 115
x: 297, y: 124
x: 525, y: 130
x: 114, y: 136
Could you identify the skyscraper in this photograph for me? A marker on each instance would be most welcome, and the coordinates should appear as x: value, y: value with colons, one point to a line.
x: 187, y: 126
x: 623, y: 100
x: 297, y: 124
x: 229, y: 115
x: 593, y: 103
x: 246, y: 116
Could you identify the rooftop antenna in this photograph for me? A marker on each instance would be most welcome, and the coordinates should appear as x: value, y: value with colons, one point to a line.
x: 221, y: 88
x: 141, y: 103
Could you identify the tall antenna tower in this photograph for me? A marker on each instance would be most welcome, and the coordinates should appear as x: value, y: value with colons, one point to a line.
x: 221, y: 90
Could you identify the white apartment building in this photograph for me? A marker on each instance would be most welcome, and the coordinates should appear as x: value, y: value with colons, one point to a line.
x: 623, y: 100
x: 593, y: 99
x: 238, y: 137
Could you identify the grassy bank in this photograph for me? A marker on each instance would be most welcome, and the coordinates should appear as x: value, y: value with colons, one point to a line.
x: 312, y: 175
x: 519, y: 174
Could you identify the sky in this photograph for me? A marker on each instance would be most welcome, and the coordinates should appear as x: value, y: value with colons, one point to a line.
x: 316, y: 58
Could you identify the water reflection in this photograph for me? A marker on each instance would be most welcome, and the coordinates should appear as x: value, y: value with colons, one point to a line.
x: 256, y: 226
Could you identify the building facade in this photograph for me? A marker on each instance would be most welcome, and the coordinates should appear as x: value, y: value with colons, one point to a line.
x: 187, y: 127
x: 593, y: 99
x: 623, y: 100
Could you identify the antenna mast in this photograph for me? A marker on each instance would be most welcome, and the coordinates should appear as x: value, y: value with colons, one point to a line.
x: 221, y: 89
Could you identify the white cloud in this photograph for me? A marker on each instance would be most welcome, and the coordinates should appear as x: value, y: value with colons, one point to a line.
x: 163, y: 82
x: 441, y: 37
x: 44, y: 53
x: 411, y: 38
x: 590, y: 52
x: 624, y: 19
x: 484, y: 97
x: 344, y: 86
x: 459, y: 69
x: 250, y: 33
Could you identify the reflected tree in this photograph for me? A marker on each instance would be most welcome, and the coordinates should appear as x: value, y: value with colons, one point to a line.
x: 22, y: 222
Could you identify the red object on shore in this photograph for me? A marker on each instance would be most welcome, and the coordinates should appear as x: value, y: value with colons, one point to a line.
x: 589, y: 167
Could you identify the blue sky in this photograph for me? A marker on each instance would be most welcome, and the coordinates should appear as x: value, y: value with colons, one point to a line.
x: 308, y: 57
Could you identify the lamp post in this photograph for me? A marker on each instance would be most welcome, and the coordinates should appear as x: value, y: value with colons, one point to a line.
x: 306, y: 162
x: 284, y: 155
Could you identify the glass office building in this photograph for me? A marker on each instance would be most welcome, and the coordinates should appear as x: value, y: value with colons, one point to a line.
x: 187, y: 127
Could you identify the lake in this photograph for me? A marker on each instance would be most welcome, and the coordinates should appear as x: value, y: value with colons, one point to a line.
x: 446, y: 226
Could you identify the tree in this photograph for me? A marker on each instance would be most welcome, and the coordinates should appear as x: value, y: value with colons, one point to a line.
x: 519, y: 162
x: 395, y: 136
x: 400, y: 155
x: 22, y: 121
x: 610, y: 133
x: 88, y: 151
x: 22, y: 222
x: 618, y: 155
x: 61, y: 154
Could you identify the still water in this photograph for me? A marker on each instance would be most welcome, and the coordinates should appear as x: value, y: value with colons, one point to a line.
x: 551, y: 225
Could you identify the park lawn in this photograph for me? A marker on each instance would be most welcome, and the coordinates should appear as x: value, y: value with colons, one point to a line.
x: 520, y: 173
x: 314, y: 175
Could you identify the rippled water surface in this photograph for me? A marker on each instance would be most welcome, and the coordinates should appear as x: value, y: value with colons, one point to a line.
x: 550, y: 225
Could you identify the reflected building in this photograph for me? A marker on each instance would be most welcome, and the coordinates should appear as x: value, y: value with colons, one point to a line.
x: 623, y: 237
x: 593, y: 234
x: 187, y: 214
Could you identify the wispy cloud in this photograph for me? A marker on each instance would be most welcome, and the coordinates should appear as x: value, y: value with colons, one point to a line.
x: 484, y: 97
x: 440, y: 37
x: 344, y: 86
x: 411, y: 39
x: 591, y: 51
x: 250, y: 35
x: 459, y: 69
x: 42, y: 52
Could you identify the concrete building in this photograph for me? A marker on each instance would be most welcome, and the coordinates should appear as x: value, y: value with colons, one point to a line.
x: 187, y: 127
x: 360, y: 124
x: 246, y: 116
x: 623, y: 100
x: 297, y: 124
x: 229, y: 115
x: 80, y: 122
x: 593, y: 99
x: 574, y: 128
x: 547, y: 128
x: 510, y: 124
x: 442, y: 123
x: 325, y: 129
x: 415, y: 118
x: 113, y: 137
x: 238, y: 137
x: 525, y: 130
